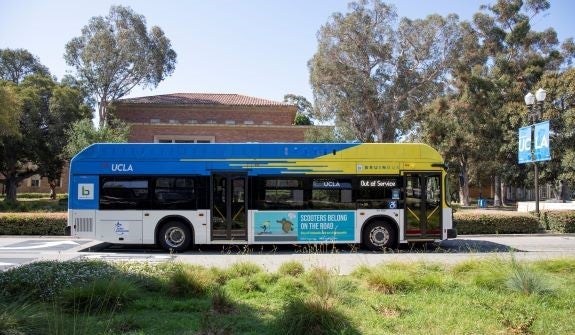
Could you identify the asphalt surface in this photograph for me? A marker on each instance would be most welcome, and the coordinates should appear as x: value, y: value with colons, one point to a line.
x: 15, y: 251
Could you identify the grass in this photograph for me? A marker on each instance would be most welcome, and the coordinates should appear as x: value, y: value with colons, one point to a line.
x: 494, y: 296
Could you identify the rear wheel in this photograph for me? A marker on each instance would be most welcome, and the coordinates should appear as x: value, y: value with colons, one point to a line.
x: 379, y: 235
x: 175, y: 236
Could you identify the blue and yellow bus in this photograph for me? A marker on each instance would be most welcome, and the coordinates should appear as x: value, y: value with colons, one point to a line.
x: 178, y: 195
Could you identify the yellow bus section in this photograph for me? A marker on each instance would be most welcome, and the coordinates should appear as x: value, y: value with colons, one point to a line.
x: 367, y: 158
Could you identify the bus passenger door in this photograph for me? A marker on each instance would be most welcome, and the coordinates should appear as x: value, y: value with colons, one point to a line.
x: 228, y: 217
x: 422, y: 205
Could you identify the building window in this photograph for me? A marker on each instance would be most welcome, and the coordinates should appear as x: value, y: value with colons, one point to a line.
x: 174, y: 122
x: 248, y: 122
x: 211, y: 122
x: 183, y: 139
x: 192, y: 121
x: 154, y: 121
x: 230, y: 122
x: 35, y: 181
x: 267, y: 123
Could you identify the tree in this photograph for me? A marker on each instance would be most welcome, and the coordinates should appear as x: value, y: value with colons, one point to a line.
x: 518, y: 58
x: 83, y: 133
x: 46, y: 109
x: 10, y: 108
x: 560, y: 110
x: 116, y: 53
x: 304, y: 112
x: 15, y: 65
x: 372, y: 73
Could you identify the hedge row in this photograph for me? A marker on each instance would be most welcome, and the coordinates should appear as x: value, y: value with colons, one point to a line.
x: 489, y: 222
x: 33, y: 224
x: 560, y: 221
x: 468, y: 222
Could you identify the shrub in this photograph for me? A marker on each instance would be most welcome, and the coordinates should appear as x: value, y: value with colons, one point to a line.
x: 525, y: 280
x: 35, y: 205
x: 101, y: 295
x: 190, y: 281
x: 221, y: 301
x: 291, y: 268
x: 19, y: 317
x: 47, y: 279
x: 486, y: 222
x: 244, y: 269
x: 313, y: 315
x: 33, y: 224
x: 560, y: 221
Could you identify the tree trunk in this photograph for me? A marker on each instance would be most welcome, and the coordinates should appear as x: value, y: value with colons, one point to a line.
x: 11, y: 190
x: 497, y: 186
x: 52, y: 184
x: 503, y: 194
x: 464, y: 185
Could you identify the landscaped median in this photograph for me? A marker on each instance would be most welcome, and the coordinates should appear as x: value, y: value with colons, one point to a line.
x: 493, y: 296
x: 33, y: 223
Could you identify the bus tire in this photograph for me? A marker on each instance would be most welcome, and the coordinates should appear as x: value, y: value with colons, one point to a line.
x: 175, y: 236
x: 379, y: 235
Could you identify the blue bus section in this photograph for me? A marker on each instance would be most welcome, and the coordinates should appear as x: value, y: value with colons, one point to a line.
x: 304, y: 226
x: 84, y: 192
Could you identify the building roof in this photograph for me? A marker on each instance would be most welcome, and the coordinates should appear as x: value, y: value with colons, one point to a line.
x: 202, y: 99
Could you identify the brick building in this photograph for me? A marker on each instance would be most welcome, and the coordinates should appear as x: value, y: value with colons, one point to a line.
x: 196, y: 118
x: 203, y: 118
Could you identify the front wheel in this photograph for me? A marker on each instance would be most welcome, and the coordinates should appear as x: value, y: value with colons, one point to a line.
x: 175, y: 236
x: 379, y: 236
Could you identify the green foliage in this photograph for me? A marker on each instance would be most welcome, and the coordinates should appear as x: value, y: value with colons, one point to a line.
x: 98, y: 296
x: 371, y: 72
x: 32, y: 224
x: 401, y: 278
x: 221, y: 301
x: 19, y: 317
x: 41, y: 109
x: 10, y: 110
x: 190, y: 281
x: 305, y: 110
x: 83, y: 133
x: 17, y: 64
x: 526, y: 280
x: 560, y: 221
x: 291, y: 268
x: 244, y: 269
x: 474, y: 222
x: 313, y: 316
x: 115, y: 53
x: 47, y: 279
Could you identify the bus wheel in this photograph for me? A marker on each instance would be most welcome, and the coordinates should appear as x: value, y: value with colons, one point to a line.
x: 175, y: 236
x: 379, y: 236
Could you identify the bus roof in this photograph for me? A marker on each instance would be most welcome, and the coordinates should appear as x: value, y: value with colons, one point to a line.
x: 254, y: 158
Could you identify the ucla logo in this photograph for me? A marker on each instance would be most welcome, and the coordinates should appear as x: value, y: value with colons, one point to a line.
x: 122, y: 167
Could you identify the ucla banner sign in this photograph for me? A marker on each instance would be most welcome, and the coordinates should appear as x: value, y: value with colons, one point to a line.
x: 542, y: 150
x: 525, y: 145
x: 539, y: 149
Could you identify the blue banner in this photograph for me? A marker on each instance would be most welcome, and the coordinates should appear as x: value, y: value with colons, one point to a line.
x: 336, y: 226
x: 542, y: 148
x: 525, y: 145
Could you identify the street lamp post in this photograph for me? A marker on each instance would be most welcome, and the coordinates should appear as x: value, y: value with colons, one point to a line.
x: 535, y: 106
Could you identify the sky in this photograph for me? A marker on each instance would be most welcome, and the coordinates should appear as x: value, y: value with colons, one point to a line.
x: 258, y: 48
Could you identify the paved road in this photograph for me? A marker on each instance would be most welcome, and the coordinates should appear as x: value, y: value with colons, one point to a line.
x: 20, y: 250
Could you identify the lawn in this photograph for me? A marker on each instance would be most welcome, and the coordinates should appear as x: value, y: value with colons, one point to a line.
x: 494, y: 296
